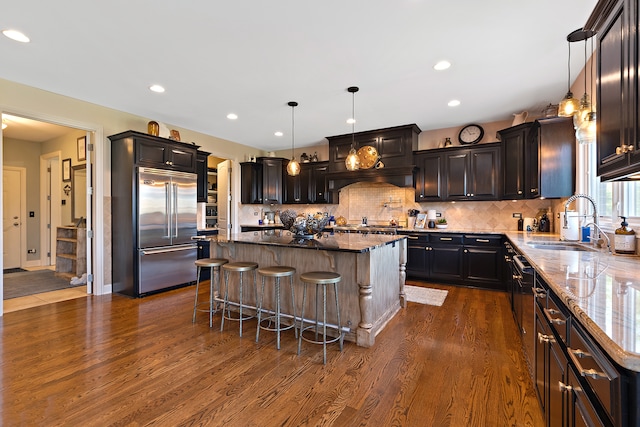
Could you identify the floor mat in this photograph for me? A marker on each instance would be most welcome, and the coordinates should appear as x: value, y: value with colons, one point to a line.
x: 13, y: 270
x: 32, y: 282
x: 427, y: 296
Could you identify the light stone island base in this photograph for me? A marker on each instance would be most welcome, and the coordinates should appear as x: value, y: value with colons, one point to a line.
x: 370, y: 294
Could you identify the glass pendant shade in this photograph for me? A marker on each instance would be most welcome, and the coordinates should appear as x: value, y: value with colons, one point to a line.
x: 293, y: 168
x: 586, y: 133
x: 583, y: 111
x: 352, y: 162
x: 568, y: 106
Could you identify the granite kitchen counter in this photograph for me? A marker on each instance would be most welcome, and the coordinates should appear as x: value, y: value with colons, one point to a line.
x: 600, y: 289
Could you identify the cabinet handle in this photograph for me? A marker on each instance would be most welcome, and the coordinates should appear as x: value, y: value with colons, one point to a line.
x: 540, y: 293
x: 517, y: 277
x: 519, y: 191
x: 548, y: 312
x: 534, y: 190
x: 445, y: 239
x: 427, y: 248
x: 545, y: 338
x: 482, y: 240
x: 563, y: 387
x: 575, y: 354
x: 465, y: 251
x: 411, y: 237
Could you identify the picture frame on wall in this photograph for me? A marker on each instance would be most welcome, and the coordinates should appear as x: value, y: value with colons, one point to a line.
x: 420, y: 220
x: 66, y: 170
x: 82, y: 148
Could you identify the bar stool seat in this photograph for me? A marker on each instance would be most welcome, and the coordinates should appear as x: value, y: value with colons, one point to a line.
x: 321, y: 279
x: 214, y: 279
x: 239, y: 267
x: 276, y: 272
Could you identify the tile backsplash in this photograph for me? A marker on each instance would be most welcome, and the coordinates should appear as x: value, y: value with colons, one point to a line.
x: 381, y: 202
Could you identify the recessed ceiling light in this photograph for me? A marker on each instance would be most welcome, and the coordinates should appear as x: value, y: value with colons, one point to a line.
x: 442, y: 65
x: 232, y: 116
x: 453, y: 103
x: 278, y: 133
x: 16, y: 35
x: 156, y: 88
x: 351, y: 121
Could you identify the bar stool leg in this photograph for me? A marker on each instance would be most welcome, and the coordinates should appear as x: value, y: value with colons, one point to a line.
x: 241, y: 274
x: 324, y: 324
x: 335, y: 290
x: 293, y: 306
x: 259, y: 309
x: 304, y: 300
x: 226, y: 300
x: 195, y: 303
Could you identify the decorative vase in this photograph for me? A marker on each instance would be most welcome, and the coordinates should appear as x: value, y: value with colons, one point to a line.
x: 153, y: 128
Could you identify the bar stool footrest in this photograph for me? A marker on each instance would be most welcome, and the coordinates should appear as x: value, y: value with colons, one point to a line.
x: 272, y: 320
x: 328, y: 341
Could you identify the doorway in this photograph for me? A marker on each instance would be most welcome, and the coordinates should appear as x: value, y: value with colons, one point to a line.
x: 50, y: 154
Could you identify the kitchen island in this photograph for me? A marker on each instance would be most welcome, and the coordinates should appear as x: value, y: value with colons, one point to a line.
x: 372, y: 267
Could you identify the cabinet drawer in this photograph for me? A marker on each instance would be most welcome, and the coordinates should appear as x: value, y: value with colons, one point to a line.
x: 557, y: 318
x: 593, y: 368
x: 482, y: 240
x: 454, y: 239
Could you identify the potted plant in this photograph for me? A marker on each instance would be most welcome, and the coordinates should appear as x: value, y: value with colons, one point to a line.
x: 441, y: 223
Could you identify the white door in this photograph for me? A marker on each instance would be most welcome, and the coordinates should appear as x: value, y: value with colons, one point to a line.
x: 11, y: 218
x: 224, y: 197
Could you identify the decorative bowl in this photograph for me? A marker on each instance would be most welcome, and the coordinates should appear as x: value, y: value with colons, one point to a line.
x: 441, y: 225
x: 304, y: 226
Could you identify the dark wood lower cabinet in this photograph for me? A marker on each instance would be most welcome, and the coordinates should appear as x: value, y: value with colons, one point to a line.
x: 471, y: 260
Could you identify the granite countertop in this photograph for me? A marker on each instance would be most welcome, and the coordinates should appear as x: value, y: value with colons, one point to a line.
x: 344, y: 242
x: 601, y: 290
x: 265, y: 226
x: 449, y: 230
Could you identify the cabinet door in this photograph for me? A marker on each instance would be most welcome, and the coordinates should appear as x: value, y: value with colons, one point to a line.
x: 485, y: 166
x: 182, y: 159
x: 446, y: 262
x: 201, y: 170
x: 612, y: 91
x: 457, y: 165
x: 418, y: 259
x: 272, y: 180
x: 250, y: 183
x: 296, y: 188
x: 430, y: 178
x: 581, y: 411
x: 318, y: 185
x: 151, y: 153
x: 483, y: 265
x: 513, y: 164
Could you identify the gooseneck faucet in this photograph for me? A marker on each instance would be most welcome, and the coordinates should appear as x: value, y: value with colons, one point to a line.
x: 576, y: 197
x: 596, y: 227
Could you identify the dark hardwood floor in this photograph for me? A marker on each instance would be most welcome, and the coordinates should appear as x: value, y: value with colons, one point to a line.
x: 111, y: 360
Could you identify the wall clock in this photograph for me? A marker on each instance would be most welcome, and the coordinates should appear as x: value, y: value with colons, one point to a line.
x: 471, y: 134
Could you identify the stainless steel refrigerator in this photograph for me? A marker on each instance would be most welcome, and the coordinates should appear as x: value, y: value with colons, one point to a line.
x: 166, y: 209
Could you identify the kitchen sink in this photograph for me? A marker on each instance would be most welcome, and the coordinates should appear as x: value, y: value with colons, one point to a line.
x: 561, y: 246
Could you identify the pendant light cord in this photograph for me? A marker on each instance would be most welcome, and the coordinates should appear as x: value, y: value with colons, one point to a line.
x: 292, y: 131
x: 353, y: 118
x: 569, y: 67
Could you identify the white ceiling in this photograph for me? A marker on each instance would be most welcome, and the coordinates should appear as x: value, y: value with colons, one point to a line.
x: 252, y: 57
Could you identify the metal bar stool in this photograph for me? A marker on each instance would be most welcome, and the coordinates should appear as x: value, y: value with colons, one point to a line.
x: 240, y: 268
x: 320, y: 279
x: 276, y: 272
x: 214, y: 279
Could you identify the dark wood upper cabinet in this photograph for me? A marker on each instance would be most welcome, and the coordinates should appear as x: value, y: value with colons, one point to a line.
x: 430, y: 177
x: 617, y: 91
x: 395, y: 146
x: 251, y: 183
x: 201, y: 170
x: 539, y: 159
x: 474, y: 173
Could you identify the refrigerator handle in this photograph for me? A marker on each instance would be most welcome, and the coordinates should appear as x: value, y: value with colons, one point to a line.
x: 175, y: 210
x: 167, y: 202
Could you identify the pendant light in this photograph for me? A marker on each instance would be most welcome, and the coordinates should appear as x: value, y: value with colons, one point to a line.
x: 352, y: 162
x: 586, y: 132
x: 293, y: 168
x: 585, y: 104
x: 569, y: 105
